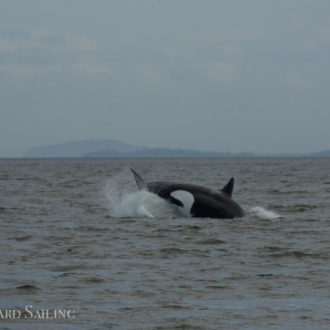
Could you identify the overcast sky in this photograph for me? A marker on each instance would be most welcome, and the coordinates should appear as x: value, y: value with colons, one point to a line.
x: 214, y: 75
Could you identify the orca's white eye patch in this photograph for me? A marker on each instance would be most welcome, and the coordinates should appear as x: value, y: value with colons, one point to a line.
x: 186, y: 198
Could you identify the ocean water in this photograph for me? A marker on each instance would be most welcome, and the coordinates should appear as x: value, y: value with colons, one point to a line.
x: 79, y: 242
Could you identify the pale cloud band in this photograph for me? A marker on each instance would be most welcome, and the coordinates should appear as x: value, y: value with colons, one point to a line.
x: 44, y: 39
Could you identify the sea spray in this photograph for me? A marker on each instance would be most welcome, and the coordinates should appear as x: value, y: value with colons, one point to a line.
x: 126, y: 201
x: 262, y: 213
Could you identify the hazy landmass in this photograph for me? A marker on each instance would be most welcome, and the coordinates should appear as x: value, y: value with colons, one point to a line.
x: 118, y: 149
x: 80, y: 148
x: 165, y: 153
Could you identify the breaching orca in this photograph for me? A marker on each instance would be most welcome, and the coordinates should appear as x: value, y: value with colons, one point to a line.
x: 195, y: 200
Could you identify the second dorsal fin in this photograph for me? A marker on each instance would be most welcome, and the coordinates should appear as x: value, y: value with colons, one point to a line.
x: 228, y: 188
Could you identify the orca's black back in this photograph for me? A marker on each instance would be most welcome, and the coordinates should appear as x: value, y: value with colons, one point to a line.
x: 208, y: 203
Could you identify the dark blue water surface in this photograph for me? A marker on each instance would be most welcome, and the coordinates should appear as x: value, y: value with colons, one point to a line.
x: 76, y: 236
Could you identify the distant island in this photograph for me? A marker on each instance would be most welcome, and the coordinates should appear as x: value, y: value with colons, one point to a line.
x: 80, y: 148
x: 117, y: 149
x: 163, y: 153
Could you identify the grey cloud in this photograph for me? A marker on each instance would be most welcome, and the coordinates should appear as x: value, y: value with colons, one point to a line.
x: 40, y: 52
x: 44, y: 39
x: 244, y: 75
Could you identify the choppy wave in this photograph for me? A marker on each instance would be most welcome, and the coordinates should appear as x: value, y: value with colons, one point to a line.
x: 262, y: 213
x: 63, y: 250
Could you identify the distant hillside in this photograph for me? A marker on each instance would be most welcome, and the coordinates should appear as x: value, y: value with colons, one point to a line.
x: 163, y: 153
x: 80, y: 148
x: 118, y: 149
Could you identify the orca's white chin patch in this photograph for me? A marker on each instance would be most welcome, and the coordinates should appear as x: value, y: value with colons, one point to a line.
x: 187, y: 200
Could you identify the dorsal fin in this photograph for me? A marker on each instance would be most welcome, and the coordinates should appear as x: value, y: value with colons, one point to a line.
x: 228, y: 188
x: 139, y: 181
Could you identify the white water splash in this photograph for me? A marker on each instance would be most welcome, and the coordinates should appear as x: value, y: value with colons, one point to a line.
x: 126, y: 201
x: 262, y: 213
